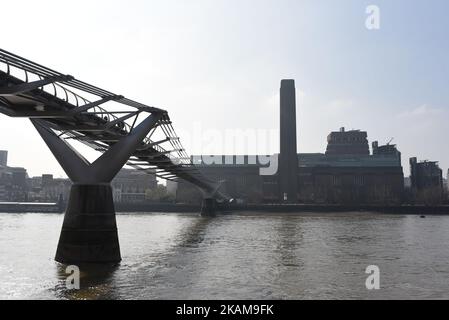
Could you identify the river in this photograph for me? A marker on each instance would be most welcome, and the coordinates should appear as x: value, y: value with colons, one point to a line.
x: 239, y: 256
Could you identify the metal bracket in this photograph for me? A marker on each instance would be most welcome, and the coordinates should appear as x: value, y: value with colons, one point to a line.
x: 94, y: 104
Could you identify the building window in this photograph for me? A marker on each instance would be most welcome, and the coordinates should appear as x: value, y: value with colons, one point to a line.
x: 359, y: 180
x: 336, y: 180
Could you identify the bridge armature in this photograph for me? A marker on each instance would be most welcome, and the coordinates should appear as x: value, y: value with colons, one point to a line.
x: 64, y: 109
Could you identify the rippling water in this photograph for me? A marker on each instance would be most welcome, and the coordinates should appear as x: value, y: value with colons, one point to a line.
x: 246, y: 256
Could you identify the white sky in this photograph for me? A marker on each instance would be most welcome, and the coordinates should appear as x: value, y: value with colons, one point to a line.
x: 217, y: 65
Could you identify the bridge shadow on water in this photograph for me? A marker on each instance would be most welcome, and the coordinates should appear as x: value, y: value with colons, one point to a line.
x: 194, y: 234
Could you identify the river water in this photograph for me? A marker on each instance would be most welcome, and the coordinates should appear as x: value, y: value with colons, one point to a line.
x: 239, y: 256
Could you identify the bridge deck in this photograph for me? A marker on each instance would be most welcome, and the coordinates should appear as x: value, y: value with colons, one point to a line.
x: 95, y: 117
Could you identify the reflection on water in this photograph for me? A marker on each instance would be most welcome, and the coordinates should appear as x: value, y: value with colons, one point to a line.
x: 247, y: 256
x: 95, y: 281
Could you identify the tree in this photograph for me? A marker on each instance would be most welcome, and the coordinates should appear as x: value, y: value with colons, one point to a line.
x: 158, y: 194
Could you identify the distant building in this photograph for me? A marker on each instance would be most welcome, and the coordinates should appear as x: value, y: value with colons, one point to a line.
x: 388, y: 150
x: 426, y: 181
x: 46, y: 188
x: 13, y: 184
x: 54, y: 189
x: 240, y: 179
x: 321, y: 178
x: 351, y: 179
x: 447, y: 180
x: 345, y: 174
x: 343, y: 142
x: 131, y: 185
x: 3, y: 158
x: 447, y: 187
x: 34, y: 188
x: 4, y: 182
x: 46, y: 179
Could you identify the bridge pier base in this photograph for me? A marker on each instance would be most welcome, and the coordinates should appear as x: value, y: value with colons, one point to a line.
x: 208, y: 207
x: 89, y: 232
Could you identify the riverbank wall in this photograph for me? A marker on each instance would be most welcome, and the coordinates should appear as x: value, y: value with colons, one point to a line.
x: 24, y: 207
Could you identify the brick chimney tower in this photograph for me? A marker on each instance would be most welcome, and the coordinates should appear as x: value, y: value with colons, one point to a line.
x: 288, y: 157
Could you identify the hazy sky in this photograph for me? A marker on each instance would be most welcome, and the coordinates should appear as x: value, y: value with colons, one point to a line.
x: 218, y: 64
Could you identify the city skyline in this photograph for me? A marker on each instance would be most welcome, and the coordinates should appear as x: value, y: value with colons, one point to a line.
x: 389, y: 82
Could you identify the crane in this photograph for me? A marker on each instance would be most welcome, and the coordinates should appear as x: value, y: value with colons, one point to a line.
x: 391, y: 140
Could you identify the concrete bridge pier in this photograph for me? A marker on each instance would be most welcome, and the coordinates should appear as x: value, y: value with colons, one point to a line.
x: 89, y: 231
x: 208, y: 207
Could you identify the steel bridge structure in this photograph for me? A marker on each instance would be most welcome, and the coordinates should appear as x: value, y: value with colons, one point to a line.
x: 65, y: 110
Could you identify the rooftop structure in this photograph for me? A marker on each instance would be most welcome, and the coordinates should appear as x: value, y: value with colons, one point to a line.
x: 354, y: 142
